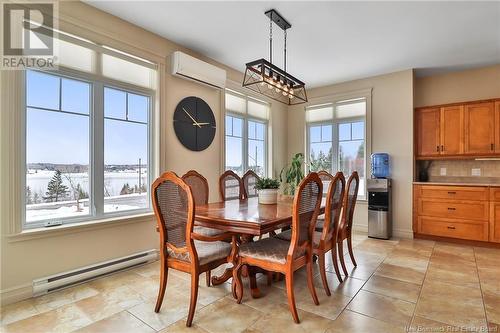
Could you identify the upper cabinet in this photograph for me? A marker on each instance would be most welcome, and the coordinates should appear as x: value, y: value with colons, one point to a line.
x: 428, y: 140
x: 480, y: 128
x: 468, y: 130
x: 497, y: 127
x: 452, y: 130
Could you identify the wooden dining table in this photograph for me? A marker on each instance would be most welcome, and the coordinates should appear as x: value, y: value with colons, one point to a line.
x: 246, y: 218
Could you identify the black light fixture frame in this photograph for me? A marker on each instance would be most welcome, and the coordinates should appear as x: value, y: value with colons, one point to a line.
x: 268, y: 79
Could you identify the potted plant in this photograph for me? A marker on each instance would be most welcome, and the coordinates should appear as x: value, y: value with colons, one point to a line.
x: 268, y: 190
x: 292, y: 175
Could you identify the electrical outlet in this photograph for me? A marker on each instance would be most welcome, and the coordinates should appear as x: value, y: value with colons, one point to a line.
x: 476, y: 172
x: 442, y: 172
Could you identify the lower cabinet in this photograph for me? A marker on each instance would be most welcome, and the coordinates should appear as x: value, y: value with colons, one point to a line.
x: 495, y: 215
x: 462, y: 212
x: 454, y: 228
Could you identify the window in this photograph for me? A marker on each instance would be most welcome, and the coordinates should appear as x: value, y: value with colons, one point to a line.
x: 246, y: 134
x: 336, y: 138
x: 87, y: 143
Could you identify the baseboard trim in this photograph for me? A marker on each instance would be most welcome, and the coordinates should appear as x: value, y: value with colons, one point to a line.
x: 402, y: 233
x: 16, y: 294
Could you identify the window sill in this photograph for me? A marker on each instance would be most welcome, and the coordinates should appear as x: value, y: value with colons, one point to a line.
x: 37, y: 233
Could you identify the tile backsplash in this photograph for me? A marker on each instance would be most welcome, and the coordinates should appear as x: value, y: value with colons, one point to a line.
x: 462, y: 170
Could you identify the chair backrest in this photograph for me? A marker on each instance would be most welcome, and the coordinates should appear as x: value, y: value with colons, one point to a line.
x: 230, y: 186
x: 306, y: 204
x: 349, y: 202
x: 250, y: 179
x: 333, y: 205
x: 173, y: 205
x: 199, y: 186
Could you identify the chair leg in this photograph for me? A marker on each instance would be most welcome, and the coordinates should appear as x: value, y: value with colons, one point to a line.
x: 194, y: 297
x: 163, y: 283
x: 335, y: 262
x: 269, y: 278
x: 310, y: 282
x: 208, y: 275
x: 349, y: 247
x: 341, y: 257
x: 291, y: 296
x: 322, y: 271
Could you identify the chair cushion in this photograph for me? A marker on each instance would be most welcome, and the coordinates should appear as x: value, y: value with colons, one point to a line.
x: 287, y: 236
x: 207, y: 252
x: 269, y: 249
x: 210, y: 232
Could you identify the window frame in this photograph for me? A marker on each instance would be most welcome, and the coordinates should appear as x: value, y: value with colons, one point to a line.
x: 96, y: 146
x: 246, y: 118
x: 335, y: 122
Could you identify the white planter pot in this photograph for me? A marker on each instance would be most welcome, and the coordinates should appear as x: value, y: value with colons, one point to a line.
x: 268, y: 196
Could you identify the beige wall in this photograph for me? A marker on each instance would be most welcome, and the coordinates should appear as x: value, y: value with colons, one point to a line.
x: 27, y: 257
x: 469, y: 85
x: 391, y: 132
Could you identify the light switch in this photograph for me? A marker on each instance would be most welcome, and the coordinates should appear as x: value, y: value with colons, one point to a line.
x: 442, y: 172
x: 476, y: 172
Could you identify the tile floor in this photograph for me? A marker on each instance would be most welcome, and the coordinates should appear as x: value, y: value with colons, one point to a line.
x: 398, y: 286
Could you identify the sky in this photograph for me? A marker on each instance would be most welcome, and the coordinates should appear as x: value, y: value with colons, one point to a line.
x: 64, y: 138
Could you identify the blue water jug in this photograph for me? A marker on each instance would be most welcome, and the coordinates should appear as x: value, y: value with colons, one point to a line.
x: 380, y: 165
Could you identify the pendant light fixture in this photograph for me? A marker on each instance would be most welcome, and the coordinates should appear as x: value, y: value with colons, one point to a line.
x: 268, y: 79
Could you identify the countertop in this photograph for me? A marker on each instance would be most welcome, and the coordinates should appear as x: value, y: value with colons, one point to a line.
x: 457, y: 184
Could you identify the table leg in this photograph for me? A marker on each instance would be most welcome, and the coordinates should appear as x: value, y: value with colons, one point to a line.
x: 218, y: 280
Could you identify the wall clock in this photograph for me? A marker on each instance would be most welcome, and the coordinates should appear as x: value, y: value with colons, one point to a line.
x: 194, y: 123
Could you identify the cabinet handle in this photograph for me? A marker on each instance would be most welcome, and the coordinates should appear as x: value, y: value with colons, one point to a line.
x: 451, y: 227
x: 452, y: 208
x: 452, y: 192
x: 437, y: 148
x: 442, y: 148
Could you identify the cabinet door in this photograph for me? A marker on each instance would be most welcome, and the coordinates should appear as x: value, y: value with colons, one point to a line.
x: 479, y: 128
x: 428, y: 132
x: 497, y: 127
x: 452, y: 130
x: 495, y: 222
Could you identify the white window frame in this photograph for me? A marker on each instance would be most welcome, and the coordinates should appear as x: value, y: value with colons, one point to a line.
x: 96, y: 126
x: 334, y: 122
x: 246, y: 118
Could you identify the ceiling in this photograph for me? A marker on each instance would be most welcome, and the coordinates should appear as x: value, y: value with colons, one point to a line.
x: 329, y: 42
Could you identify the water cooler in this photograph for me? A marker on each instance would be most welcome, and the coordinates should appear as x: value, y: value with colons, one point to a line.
x: 379, y: 198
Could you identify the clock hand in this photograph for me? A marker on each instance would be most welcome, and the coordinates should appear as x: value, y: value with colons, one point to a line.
x: 195, y: 123
x: 202, y: 123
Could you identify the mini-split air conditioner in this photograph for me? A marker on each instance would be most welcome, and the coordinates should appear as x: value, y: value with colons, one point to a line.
x: 188, y: 67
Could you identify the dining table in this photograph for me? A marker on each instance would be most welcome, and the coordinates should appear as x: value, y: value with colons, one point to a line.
x: 246, y: 218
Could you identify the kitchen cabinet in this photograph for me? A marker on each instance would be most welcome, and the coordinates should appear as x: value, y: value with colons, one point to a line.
x: 462, y: 212
x: 480, y: 128
x: 467, y: 130
x: 495, y: 214
x: 497, y: 127
x: 428, y: 132
x: 452, y: 130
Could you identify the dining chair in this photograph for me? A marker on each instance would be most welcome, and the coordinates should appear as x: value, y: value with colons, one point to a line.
x: 230, y: 186
x: 200, y: 190
x: 285, y: 257
x: 345, y: 226
x: 250, y: 179
x: 325, y: 239
x: 181, y: 248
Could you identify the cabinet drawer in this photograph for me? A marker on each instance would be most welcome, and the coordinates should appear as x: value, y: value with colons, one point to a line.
x: 453, y: 228
x: 454, y: 192
x: 468, y: 210
x: 495, y: 193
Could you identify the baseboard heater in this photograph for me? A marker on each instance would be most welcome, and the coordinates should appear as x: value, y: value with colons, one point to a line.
x: 87, y: 273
